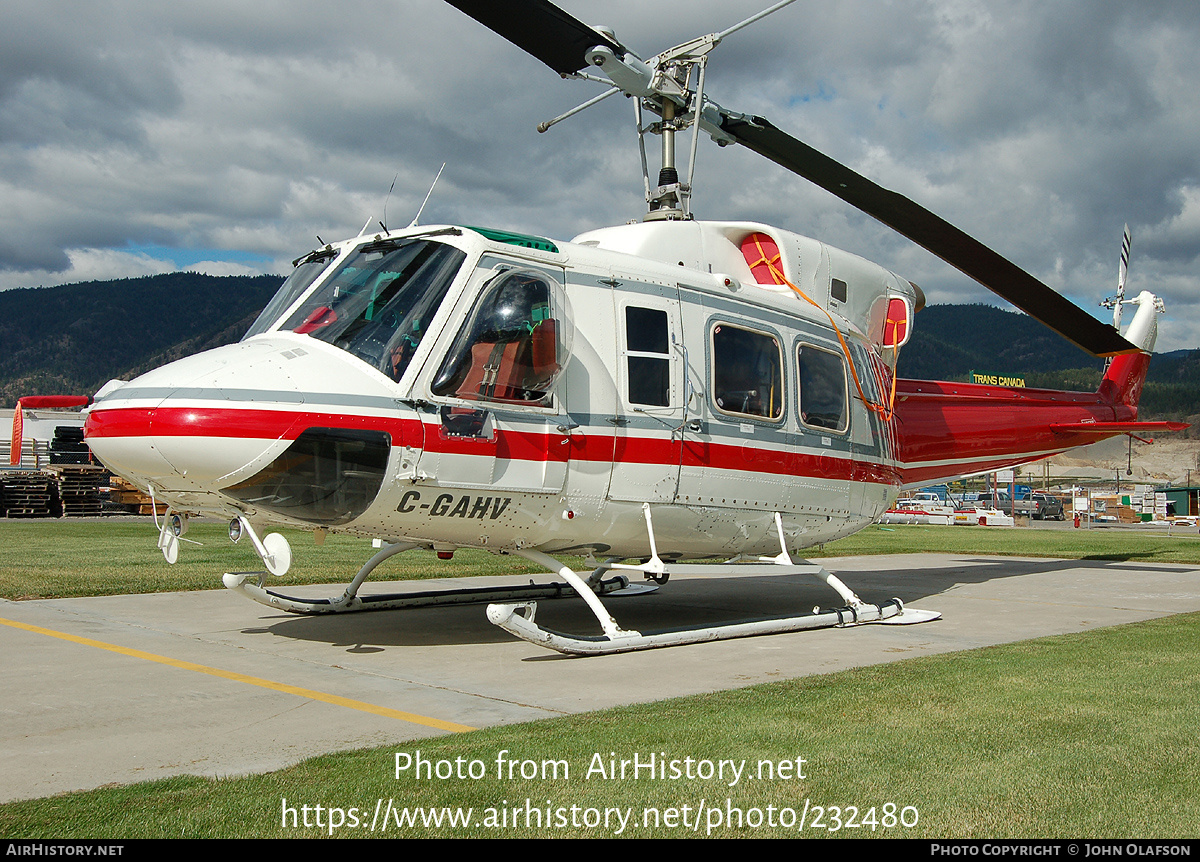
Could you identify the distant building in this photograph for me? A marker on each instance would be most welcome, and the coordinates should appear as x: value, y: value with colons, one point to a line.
x: 1182, y: 499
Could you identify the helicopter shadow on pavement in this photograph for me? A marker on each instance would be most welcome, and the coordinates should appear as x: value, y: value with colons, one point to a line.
x: 694, y: 601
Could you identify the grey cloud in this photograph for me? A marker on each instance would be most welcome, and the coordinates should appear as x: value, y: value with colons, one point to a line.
x: 1040, y: 128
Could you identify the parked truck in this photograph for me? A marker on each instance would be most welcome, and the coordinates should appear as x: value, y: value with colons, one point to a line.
x: 1047, y: 507
x: 1000, y: 500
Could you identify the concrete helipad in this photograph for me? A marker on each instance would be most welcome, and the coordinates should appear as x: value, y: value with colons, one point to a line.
x: 130, y: 688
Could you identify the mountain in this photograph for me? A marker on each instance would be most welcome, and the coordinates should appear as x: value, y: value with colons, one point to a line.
x: 950, y: 341
x: 73, y: 338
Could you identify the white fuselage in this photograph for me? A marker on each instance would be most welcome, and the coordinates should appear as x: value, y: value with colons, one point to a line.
x: 640, y: 404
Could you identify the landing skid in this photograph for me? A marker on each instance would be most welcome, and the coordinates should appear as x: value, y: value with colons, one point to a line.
x: 518, y: 618
x: 250, y: 584
x: 514, y: 608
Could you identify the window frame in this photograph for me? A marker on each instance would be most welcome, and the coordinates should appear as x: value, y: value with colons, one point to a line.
x: 487, y: 270
x: 844, y: 427
x: 754, y: 329
x: 668, y: 355
x: 294, y: 290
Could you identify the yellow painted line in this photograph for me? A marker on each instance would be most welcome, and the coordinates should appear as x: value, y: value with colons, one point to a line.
x: 249, y: 680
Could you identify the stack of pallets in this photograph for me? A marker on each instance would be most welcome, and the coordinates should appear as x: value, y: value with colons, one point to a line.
x: 133, y: 498
x: 26, y: 494
x: 78, y: 489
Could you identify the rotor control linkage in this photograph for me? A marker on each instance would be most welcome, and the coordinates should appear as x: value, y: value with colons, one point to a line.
x: 662, y: 83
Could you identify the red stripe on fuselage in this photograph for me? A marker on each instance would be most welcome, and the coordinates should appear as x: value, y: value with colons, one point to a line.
x: 216, y: 422
x: 226, y: 422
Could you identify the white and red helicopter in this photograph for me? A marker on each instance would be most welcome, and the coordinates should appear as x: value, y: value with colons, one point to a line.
x: 664, y: 390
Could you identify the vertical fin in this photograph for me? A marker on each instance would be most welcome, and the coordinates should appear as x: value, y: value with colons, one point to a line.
x: 1126, y: 375
x: 1122, y: 274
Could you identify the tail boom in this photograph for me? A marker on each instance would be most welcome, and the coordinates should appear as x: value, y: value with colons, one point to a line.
x: 947, y: 430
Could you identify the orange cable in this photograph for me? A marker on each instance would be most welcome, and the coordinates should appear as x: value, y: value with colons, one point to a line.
x: 885, y: 413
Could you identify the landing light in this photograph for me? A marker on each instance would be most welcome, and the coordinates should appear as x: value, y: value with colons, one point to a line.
x: 235, y: 530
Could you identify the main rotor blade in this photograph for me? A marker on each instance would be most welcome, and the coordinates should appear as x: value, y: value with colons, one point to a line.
x: 541, y: 29
x: 935, y: 234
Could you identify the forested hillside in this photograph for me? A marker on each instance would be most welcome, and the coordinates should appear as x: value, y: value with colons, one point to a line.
x: 73, y: 338
x: 950, y: 341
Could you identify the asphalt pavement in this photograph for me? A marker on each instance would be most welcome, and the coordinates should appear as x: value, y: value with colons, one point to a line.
x: 130, y: 688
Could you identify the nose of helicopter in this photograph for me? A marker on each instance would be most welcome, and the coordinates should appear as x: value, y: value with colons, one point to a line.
x: 191, y: 424
x: 211, y: 420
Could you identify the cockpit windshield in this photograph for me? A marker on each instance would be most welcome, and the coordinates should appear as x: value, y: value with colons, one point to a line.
x: 378, y: 305
x: 302, y: 276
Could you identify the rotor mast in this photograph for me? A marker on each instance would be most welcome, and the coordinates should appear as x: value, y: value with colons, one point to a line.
x: 662, y: 85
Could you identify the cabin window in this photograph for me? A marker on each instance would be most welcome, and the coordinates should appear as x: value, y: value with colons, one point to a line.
x: 379, y: 304
x: 747, y: 372
x: 822, y: 388
x: 513, y: 345
x: 648, y: 360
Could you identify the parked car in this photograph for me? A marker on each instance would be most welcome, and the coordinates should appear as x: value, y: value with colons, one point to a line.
x: 1047, y: 507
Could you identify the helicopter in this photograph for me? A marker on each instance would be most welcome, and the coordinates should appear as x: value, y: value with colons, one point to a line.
x: 666, y: 390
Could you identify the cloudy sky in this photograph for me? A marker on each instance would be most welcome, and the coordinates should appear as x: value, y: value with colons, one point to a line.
x: 140, y: 137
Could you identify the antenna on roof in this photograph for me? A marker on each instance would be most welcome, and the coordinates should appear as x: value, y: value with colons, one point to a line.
x: 383, y: 223
x: 413, y: 223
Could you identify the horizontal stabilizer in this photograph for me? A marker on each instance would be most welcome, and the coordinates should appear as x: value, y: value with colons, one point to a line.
x: 52, y: 402
x: 1116, y: 427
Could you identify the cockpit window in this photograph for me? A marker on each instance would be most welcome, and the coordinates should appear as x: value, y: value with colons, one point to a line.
x: 514, y: 343
x: 302, y: 276
x: 379, y: 304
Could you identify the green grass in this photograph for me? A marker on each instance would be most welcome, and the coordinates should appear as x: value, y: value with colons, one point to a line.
x: 1089, y: 735
x: 1098, y: 543
x: 59, y: 559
